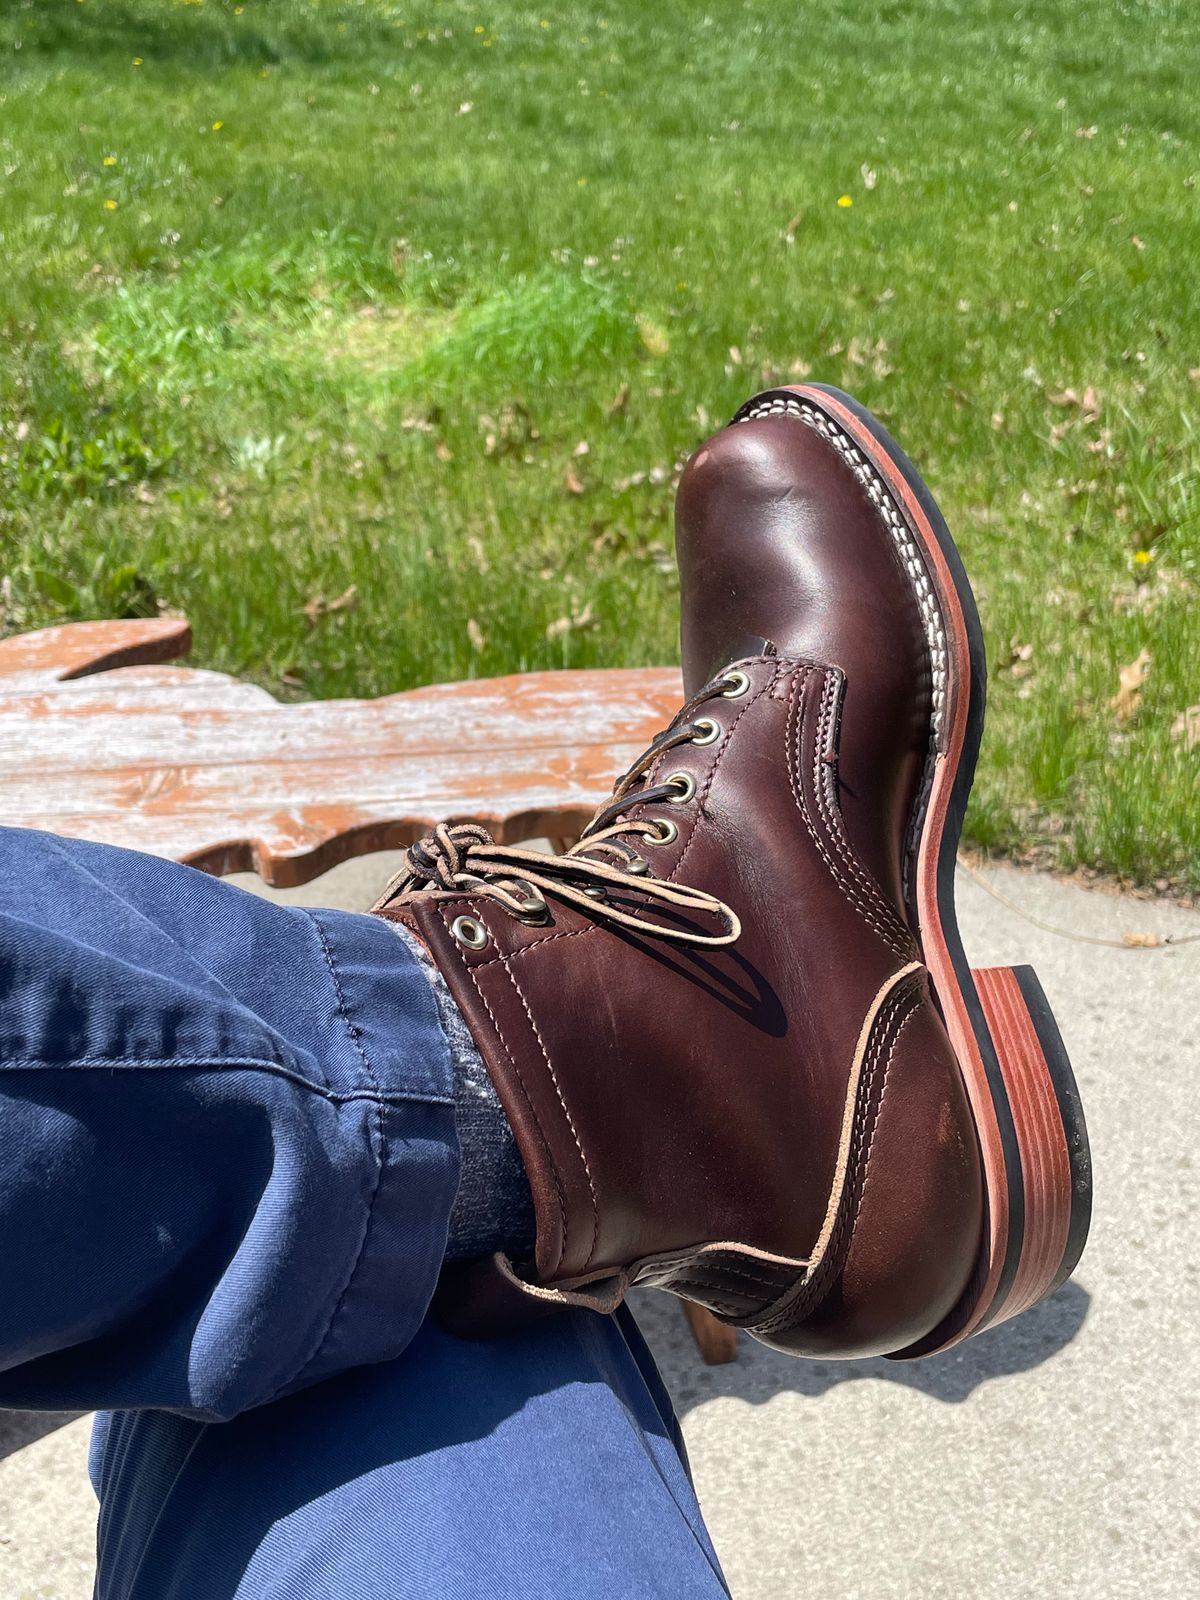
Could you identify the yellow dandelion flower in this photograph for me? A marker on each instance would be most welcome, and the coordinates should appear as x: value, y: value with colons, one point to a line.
x: 845, y: 201
x: 479, y: 28
x: 217, y: 126
x: 137, y: 61
x: 1143, y: 558
x: 544, y: 24
x: 110, y: 161
x: 110, y: 205
x: 582, y: 182
x: 237, y: 10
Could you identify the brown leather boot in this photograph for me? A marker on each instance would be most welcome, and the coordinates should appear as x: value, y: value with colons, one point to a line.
x: 712, y: 1023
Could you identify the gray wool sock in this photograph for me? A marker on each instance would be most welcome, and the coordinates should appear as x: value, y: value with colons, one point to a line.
x: 493, y: 1209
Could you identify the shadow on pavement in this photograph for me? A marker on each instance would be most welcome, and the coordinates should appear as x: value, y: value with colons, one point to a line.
x: 953, y: 1376
x: 21, y: 1428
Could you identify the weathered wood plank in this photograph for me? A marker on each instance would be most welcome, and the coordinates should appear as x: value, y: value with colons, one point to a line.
x: 203, y: 768
x: 76, y: 648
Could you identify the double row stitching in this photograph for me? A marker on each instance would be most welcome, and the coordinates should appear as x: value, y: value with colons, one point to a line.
x: 765, y: 1281
x: 855, y: 900
x: 381, y: 1160
x: 806, y: 1295
x: 833, y: 821
x: 703, y: 1292
x: 721, y: 753
x: 865, y: 1162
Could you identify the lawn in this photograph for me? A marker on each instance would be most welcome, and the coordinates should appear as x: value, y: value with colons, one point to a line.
x: 373, y: 335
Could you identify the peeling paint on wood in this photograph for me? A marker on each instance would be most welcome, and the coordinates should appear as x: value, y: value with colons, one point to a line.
x: 100, y: 740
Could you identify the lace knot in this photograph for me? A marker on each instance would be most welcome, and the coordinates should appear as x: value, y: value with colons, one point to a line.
x: 602, y: 875
x: 441, y: 856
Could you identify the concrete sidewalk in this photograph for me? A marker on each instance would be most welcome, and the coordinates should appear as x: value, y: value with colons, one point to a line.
x: 1055, y: 1455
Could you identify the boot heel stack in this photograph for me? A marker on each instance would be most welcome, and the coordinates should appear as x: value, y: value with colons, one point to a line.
x: 1050, y: 1132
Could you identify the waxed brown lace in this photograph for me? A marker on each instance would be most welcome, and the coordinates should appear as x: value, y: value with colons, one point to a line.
x: 462, y: 856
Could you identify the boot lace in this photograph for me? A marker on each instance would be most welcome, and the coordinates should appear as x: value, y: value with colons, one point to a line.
x: 458, y: 856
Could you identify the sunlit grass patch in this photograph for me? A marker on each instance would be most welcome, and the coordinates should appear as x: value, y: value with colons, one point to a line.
x: 385, y: 302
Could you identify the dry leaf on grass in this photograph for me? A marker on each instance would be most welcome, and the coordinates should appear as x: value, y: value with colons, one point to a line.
x: 1087, y: 403
x: 1131, y: 678
x: 475, y: 635
x: 619, y: 403
x: 571, y: 480
x: 577, y: 622
x: 1186, y: 727
x: 1020, y: 659
x: 865, y: 352
x: 319, y: 607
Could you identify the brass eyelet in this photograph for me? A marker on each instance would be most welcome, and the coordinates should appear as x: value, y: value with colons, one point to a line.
x: 668, y: 832
x: 534, y: 909
x: 469, y: 931
x: 711, y: 733
x: 738, y: 682
x: 686, y: 785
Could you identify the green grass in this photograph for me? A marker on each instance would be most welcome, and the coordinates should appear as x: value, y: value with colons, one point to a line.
x: 329, y: 294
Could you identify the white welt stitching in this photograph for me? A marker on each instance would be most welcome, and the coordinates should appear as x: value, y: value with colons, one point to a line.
x: 910, y: 556
x: 908, y: 549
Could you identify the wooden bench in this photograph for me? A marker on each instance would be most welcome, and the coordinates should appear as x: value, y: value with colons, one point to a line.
x: 102, y: 737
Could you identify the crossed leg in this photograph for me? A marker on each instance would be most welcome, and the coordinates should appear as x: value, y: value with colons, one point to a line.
x: 227, y: 1167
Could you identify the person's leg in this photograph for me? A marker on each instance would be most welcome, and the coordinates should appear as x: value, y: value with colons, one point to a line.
x: 228, y: 1167
x: 524, y: 1469
x: 229, y: 1151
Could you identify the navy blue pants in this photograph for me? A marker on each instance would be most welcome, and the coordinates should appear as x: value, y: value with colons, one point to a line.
x: 227, y: 1160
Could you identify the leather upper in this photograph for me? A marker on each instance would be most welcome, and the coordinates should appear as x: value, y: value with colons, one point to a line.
x: 777, y: 1128
x: 778, y: 538
x: 717, y: 1121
